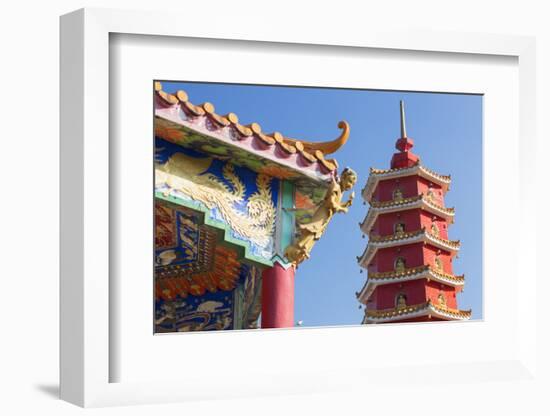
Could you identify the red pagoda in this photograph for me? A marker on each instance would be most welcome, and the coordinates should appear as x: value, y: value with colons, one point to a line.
x: 409, y: 255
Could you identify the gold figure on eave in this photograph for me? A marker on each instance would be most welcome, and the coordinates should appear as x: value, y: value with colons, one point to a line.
x: 309, y: 233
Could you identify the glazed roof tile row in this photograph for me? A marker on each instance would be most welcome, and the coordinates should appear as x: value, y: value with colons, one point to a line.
x: 309, y: 152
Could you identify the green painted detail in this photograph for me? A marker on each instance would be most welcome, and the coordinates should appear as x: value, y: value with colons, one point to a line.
x: 278, y: 259
x: 208, y: 220
x: 288, y: 219
x: 285, y: 224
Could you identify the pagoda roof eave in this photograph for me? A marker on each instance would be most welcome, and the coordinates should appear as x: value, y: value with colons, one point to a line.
x: 425, y: 272
x: 177, y: 119
x: 421, y: 236
x: 377, y: 175
x: 388, y: 207
x: 416, y: 311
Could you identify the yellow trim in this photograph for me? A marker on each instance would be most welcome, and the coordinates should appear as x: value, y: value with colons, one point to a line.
x: 405, y: 201
x: 395, y: 237
x: 404, y: 311
x: 404, y: 236
x: 444, y: 178
x: 374, y: 276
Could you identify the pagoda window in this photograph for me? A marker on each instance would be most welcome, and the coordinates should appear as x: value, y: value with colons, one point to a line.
x: 397, y: 194
x: 435, y: 229
x: 438, y: 264
x: 401, y: 301
x: 399, y: 228
x: 400, y: 264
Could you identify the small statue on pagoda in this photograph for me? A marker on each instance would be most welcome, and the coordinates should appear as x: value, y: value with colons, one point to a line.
x: 438, y: 264
x: 401, y: 301
x: 309, y: 233
x: 435, y: 229
x: 398, y: 194
x: 400, y: 265
x: 399, y: 229
x: 441, y: 300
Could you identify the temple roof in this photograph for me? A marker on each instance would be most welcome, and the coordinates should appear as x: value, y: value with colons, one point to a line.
x: 415, y: 273
x: 422, y: 235
x: 418, y: 201
x: 415, y: 311
x: 177, y: 119
x: 377, y: 175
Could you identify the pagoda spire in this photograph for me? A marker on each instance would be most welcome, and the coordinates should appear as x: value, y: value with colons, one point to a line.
x: 404, y: 158
x: 403, y: 126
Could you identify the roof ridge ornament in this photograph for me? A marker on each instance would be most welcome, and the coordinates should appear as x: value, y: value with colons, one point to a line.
x: 326, y: 147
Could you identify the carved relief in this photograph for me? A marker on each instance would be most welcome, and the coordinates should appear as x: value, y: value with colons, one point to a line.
x: 309, y: 233
x: 188, y: 175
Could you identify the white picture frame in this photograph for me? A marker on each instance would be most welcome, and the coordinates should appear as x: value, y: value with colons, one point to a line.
x: 87, y: 308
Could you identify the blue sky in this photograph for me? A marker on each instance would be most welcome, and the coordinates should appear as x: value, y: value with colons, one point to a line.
x: 447, y: 131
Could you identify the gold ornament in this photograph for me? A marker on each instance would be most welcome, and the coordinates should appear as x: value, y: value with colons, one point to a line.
x: 397, y: 194
x: 399, y: 229
x: 309, y: 233
x: 400, y: 265
x: 438, y: 264
x: 401, y: 301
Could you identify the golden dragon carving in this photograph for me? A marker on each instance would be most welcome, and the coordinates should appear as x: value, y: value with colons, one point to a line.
x: 188, y: 175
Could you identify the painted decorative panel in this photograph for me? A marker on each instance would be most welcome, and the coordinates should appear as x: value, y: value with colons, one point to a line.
x: 241, y: 202
x: 200, y: 284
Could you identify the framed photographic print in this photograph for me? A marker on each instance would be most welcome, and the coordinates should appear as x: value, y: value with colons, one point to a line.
x: 277, y: 214
x: 238, y: 212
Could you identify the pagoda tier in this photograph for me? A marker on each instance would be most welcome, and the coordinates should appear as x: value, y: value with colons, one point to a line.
x: 409, y: 254
x: 415, y: 273
x: 415, y: 313
x: 405, y: 241
x: 376, y: 175
x: 427, y: 205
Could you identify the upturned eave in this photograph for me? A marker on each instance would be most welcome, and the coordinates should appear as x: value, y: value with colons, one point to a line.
x: 377, y: 175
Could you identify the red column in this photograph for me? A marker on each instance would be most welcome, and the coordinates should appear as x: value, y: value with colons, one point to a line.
x: 278, y: 297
